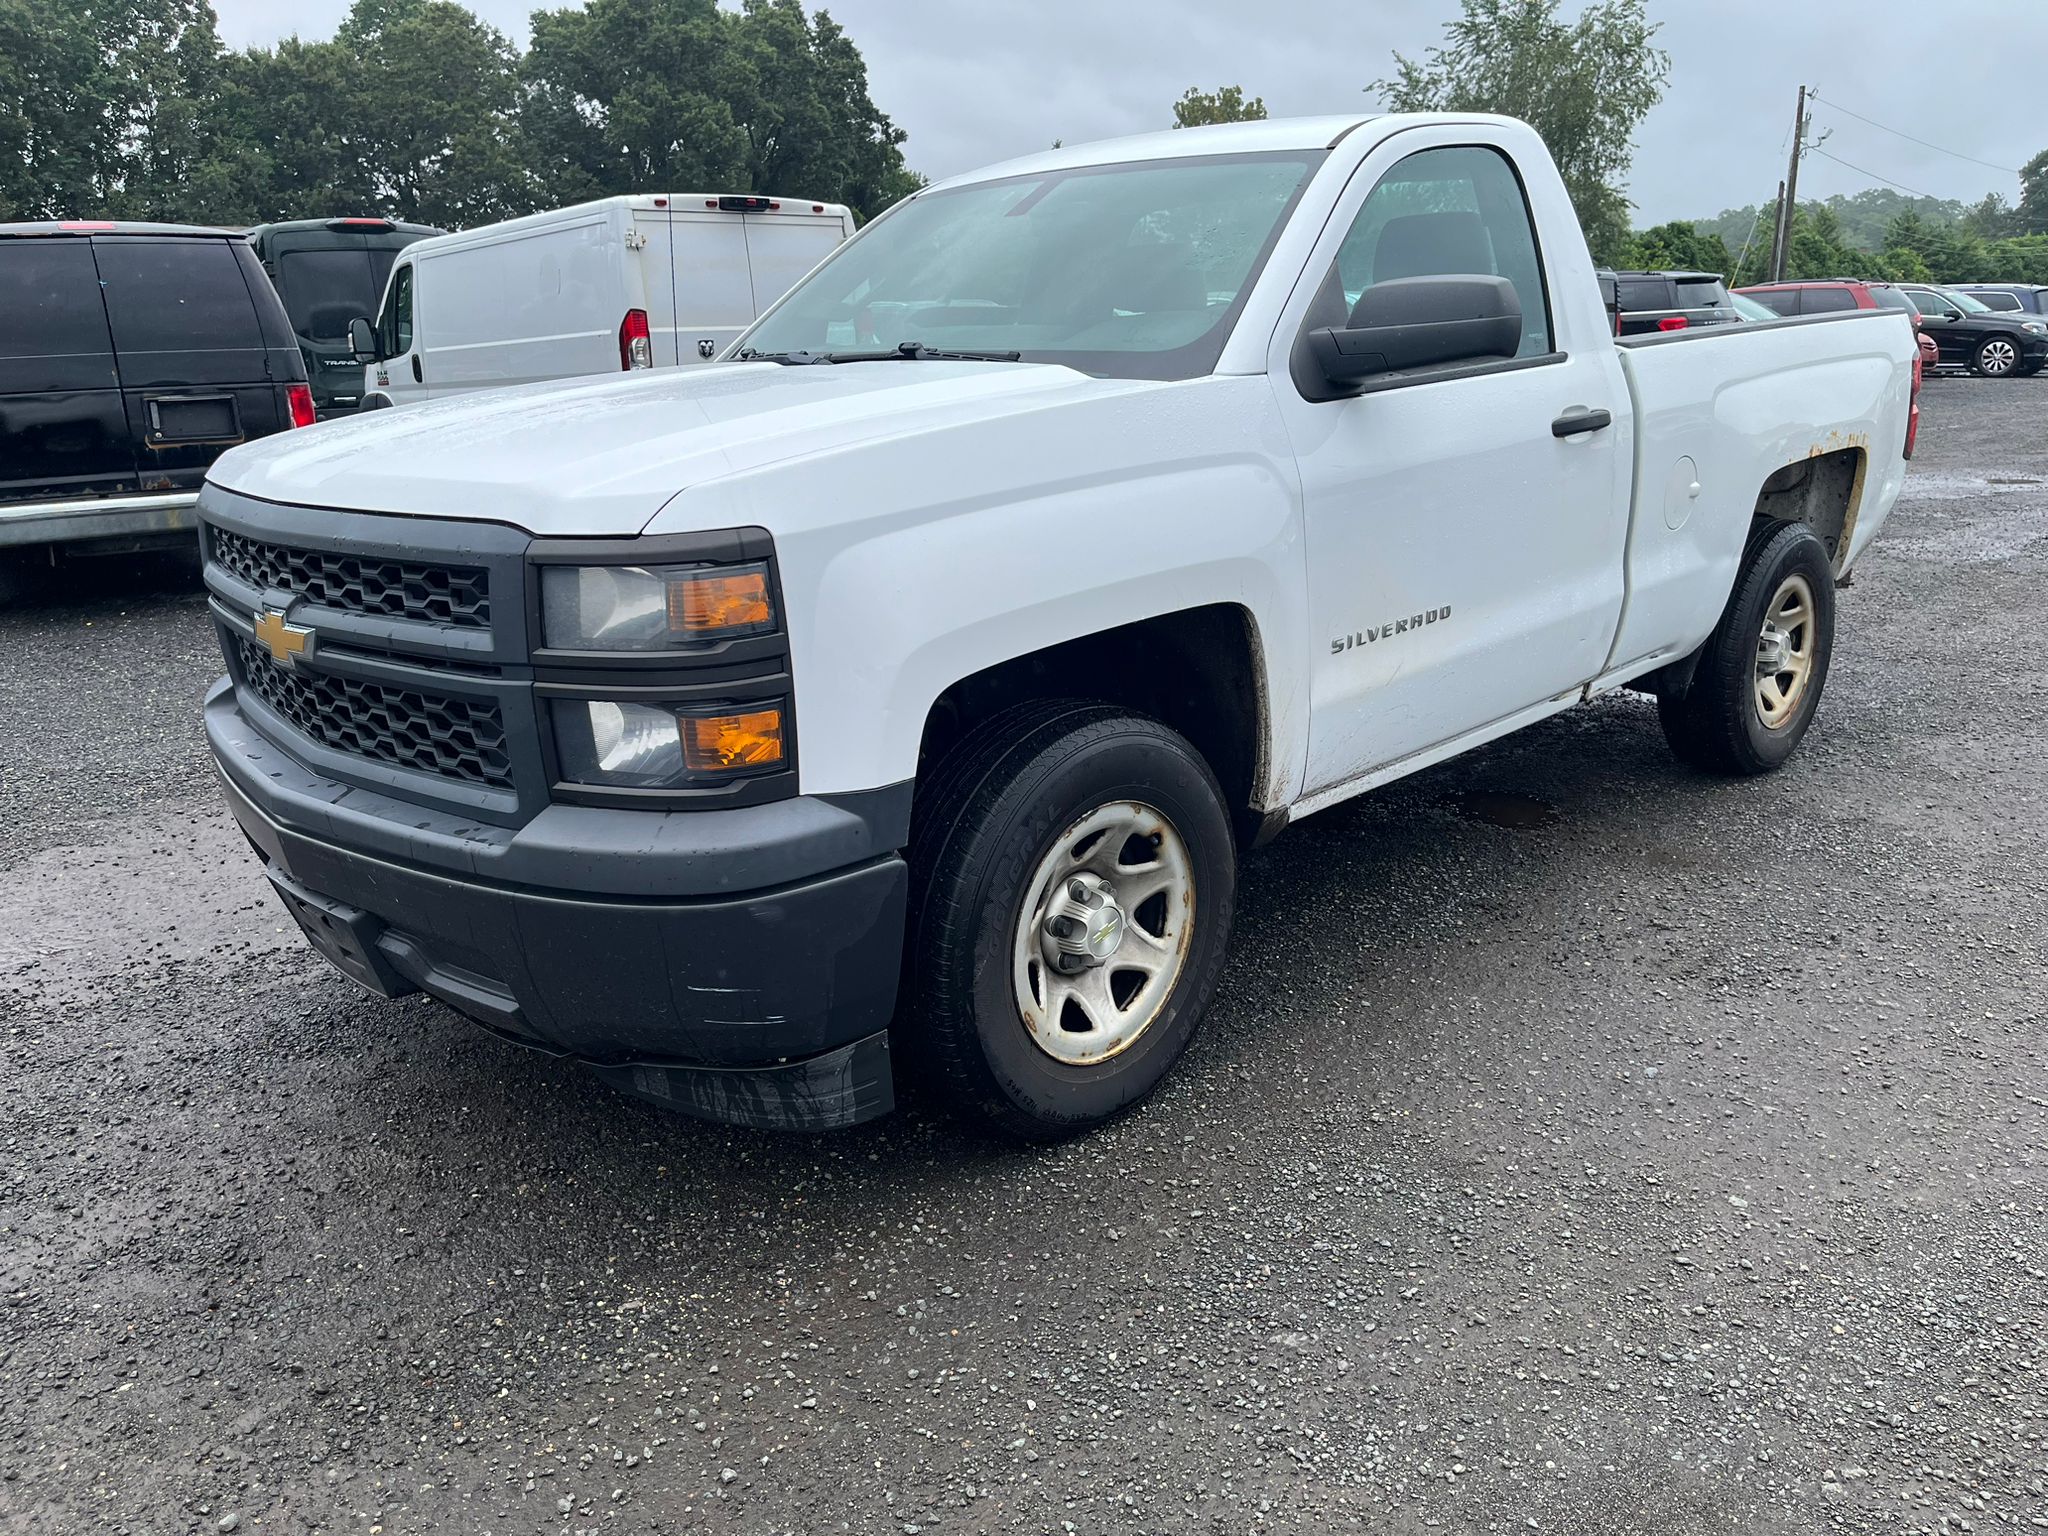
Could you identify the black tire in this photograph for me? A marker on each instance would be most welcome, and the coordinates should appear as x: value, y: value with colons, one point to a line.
x: 1996, y: 357
x: 1718, y: 724
x: 995, y: 806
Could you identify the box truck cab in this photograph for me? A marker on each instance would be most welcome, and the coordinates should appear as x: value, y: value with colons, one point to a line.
x: 661, y: 280
x: 329, y: 272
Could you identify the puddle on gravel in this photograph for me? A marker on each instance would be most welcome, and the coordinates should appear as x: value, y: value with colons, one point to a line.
x: 1496, y: 808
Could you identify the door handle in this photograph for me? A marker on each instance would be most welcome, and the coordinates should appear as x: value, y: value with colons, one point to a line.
x: 1579, y: 419
x: 418, y: 374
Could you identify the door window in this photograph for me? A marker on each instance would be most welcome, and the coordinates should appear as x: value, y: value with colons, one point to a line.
x: 1783, y: 301
x: 53, y: 300
x: 1992, y: 299
x: 394, y: 326
x: 1444, y: 212
x: 178, y: 295
x: 1928, y: 302
x: 1826, y: 301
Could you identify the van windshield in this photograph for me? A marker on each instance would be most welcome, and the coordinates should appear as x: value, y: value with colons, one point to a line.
x: 324, y: 290
x: 1127, y: 271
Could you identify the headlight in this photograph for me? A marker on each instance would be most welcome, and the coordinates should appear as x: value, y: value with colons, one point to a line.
x: 648, y: 746
x: 652, y: 607
x: 2036, y: 327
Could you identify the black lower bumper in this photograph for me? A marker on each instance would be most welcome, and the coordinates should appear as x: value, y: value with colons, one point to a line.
x: 764, y: 1007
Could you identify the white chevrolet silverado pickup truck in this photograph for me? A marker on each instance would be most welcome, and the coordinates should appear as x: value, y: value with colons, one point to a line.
x: 900, y: 693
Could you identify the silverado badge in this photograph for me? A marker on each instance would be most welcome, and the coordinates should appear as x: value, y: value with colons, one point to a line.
x: 284, y: 640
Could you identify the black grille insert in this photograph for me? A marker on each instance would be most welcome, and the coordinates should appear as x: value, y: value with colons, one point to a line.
x: 455, y: 595
x: 454, y: 738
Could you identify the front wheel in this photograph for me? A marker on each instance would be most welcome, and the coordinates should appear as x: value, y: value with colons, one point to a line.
x: 1996, y: 357
x: 1073, y: 878
x: 1761, y: 671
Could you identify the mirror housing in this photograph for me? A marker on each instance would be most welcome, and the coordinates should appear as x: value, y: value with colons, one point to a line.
x: 362, y: 341
x: 1421, y: 322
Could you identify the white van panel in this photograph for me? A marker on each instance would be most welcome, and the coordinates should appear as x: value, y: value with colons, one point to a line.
x: 544, y: 304
x: 782, y: 247
x: 714, y: 289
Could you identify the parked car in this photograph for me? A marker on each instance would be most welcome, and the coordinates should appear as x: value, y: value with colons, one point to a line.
x: 329, y: 272
x: 1832, y: 296
x: 1671, y: 301
x: 1993, y: 346
x: 901, y: 694
x: 629, y: 282
x: 131, y: 355
x: 2008, y: 298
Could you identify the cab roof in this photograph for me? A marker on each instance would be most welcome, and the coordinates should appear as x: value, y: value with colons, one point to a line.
x: 1268, y: 135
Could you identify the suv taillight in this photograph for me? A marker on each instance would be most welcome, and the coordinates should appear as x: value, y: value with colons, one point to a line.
x: 298, y: 398
x: 1673, y: 323
x: 636, y: 346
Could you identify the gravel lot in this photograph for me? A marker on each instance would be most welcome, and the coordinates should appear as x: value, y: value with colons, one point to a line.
x: 1577, y: 1145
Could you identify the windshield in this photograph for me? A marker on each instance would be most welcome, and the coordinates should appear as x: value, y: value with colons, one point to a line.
x: 1129, y: 271
x: 324, y: 290
x: 1965, y: 303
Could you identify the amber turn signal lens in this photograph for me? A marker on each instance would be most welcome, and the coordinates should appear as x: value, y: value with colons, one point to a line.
x: 722, y: 743
x: 710, y: 605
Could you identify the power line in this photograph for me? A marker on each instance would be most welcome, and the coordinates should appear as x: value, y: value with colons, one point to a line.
x: 1815, y: 149
x: 1923, y: 143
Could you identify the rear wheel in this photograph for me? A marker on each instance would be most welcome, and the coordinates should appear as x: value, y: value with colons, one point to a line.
x: 1073, y: 878
x: 1761, y: 672
x: 1996, y: 357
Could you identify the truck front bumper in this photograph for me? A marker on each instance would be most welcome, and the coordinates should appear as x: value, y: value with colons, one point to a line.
x: 738, y: 965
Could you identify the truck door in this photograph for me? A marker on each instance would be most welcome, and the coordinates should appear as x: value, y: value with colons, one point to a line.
x: 1465, y: 533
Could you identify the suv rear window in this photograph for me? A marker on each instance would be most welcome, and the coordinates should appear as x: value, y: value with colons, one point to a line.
x: 52, y: 306
x: 1823, y: 301
x: 177, y: 295
x: 1640, y: 294
x: 1891, y: 298
x: 1701, y: 292
x: 1991, y: 298
x: 324, y: 290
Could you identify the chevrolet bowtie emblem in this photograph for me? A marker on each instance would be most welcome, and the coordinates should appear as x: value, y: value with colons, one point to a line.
x: 283, y: 640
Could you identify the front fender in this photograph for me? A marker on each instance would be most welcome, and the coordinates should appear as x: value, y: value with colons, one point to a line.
x: 909, y: 563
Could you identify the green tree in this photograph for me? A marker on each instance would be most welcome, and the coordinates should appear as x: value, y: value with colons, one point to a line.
x: 1226, y: 104
x: 1585, y: 86
x: 2031, y: 217
x: 668, y: 95
x: 1676, y: 246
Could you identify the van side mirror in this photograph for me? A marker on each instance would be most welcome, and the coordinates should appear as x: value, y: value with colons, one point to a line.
x: 361, y: 341
x: 1421, y: 322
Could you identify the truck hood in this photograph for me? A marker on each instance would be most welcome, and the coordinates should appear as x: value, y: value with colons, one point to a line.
x: 600, y: 459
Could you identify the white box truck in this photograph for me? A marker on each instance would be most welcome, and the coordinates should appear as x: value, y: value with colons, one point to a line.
x: 660, y: 280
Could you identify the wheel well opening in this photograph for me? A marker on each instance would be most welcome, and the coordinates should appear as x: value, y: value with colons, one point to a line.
x: 1822, y: 491
x: 1198, y: 671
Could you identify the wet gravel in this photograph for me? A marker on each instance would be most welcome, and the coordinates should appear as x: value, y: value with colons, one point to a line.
x: 1577, y: 1145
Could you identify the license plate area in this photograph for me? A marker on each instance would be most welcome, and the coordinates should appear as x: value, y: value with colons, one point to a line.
x: 194, y: 419
x: 344, y: 936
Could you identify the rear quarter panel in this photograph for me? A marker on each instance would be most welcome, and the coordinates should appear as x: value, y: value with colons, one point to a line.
x: 1718, y: 412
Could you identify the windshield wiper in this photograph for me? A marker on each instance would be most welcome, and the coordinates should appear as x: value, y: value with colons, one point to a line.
x: 916, y: 352
x: 787, y: 359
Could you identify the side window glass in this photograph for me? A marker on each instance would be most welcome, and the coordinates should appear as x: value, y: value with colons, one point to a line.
x: 1444, y: 212
x: 1825, y: 301
x: 401, y: 312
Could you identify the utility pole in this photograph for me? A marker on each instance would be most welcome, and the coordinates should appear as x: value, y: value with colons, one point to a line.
x: 1775, y: 263
x: 1791, y: 200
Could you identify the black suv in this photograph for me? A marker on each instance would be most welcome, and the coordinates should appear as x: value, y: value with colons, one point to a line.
x: 131, y: 355
x: 1671, y: 301
x: 329, y: 272
x: 1969, y: 332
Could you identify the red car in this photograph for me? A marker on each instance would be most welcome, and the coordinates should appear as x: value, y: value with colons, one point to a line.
x: 1820, y: 298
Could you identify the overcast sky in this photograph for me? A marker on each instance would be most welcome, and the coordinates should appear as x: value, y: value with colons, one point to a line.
x: 975, y: 81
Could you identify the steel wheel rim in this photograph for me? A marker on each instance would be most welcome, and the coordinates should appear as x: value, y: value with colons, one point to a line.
x: 1785, y: 652
x: 1998, y: 357
x: 1132, y: 857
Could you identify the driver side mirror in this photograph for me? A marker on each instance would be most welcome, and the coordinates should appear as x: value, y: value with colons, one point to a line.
x: 362, y: 341
x: 1421, y: 322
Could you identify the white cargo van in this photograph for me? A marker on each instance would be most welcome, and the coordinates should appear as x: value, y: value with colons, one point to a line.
x: 660, y: 280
